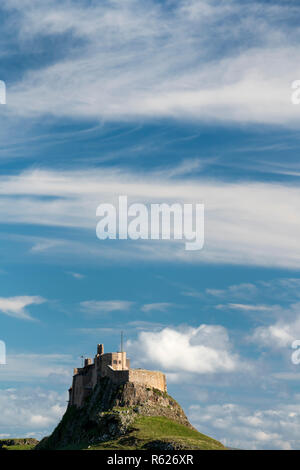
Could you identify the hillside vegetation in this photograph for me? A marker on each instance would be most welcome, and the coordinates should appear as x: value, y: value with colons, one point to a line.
x: 156, y: 432
x: 18, y: 444
x: 128, y: 417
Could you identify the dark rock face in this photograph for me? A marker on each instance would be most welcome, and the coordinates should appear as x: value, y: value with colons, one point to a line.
x: 162, y: 445
x: 109, y: 412
x: 151, y: 402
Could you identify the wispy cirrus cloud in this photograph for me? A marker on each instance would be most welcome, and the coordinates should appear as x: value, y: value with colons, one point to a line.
x: 278, y: 289
x: 34, y: 367
x: 245, y: 307
x: 96, y: 307
x: 16, y: 306
x: 131, y: 328
x: 156, y: 306
x: 168, y: 59
x: 246, y: 223
x: 78, y: 276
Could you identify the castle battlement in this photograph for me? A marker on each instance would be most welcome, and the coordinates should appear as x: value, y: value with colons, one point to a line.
x: 115, y: 366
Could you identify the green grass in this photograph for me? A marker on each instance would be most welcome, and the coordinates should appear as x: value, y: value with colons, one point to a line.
x: 17, y: 444
x: 147, y: 429
x: 19, y: 447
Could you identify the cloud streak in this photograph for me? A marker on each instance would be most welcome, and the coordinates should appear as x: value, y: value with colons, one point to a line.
x: 95, y: 307
x: 137, y: 59
x: 16, y: 306
x: 157, y: 306
x: 30, y: 367
x: 253, y: 224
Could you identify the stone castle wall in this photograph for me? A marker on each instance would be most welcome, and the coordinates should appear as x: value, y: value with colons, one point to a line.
x: 117, y: 377
x: 116, y: 367
x: 83, y: 385
x: 148, y: 378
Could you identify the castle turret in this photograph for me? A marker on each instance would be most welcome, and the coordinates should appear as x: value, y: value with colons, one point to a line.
x: 113, y: 366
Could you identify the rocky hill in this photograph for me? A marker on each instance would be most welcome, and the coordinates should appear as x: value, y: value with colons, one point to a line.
x: 27, y: 443
x: 129, y: 416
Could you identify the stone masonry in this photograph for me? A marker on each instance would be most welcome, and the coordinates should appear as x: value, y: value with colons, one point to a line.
x: 116, y: 367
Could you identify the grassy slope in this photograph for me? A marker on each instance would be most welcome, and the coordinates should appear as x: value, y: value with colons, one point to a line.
x: 18, y: 446
x: 146, y: 429
x: 149, y: 428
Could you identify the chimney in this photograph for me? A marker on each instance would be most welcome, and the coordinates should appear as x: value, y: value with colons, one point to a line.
x: 100, y: 349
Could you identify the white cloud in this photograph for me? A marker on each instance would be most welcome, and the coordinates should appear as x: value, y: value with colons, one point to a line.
x: 157, y: 306
x: 290, y: 376
x: 105, y: 306
x: 282, y: 290
x: 241, y: 427
x: 27, y: 367
x: 234, y: 291
x: 246, y: 308
x: 278, y: 335
x: 281, y: 321
x: 39, y: 420
x: 245, y: 223
x: 31, y: 411
x: 202, y: 350
x: 44, y: 244
x: 76, y: 275
x: 282, y: 332
x: 16, y: 306
x: 140, y: 325
x: 131, y: 328
x: 135, y: 58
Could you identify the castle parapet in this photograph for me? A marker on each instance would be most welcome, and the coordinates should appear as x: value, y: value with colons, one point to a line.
x: 116, y: 367
x: 148, y: 378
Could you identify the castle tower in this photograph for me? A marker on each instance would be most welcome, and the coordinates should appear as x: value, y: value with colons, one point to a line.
x: 116, y: 367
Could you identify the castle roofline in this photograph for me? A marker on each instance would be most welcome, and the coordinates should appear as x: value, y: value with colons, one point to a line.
x: 114, y: 366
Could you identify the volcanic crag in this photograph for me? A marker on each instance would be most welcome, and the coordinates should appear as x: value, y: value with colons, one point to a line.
x: 112, y: 406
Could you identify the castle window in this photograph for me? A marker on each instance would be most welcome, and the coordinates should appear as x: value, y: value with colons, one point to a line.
x: 115, y: 362
x: 120, y: 362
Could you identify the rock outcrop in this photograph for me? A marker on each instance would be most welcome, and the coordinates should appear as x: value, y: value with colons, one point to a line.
x: 27, y: 441
x: 109, y: 413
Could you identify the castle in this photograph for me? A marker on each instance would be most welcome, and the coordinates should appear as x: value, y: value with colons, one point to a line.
x: 115, y: 366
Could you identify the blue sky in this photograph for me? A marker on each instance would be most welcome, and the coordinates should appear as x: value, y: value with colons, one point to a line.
x: 186, y: 101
